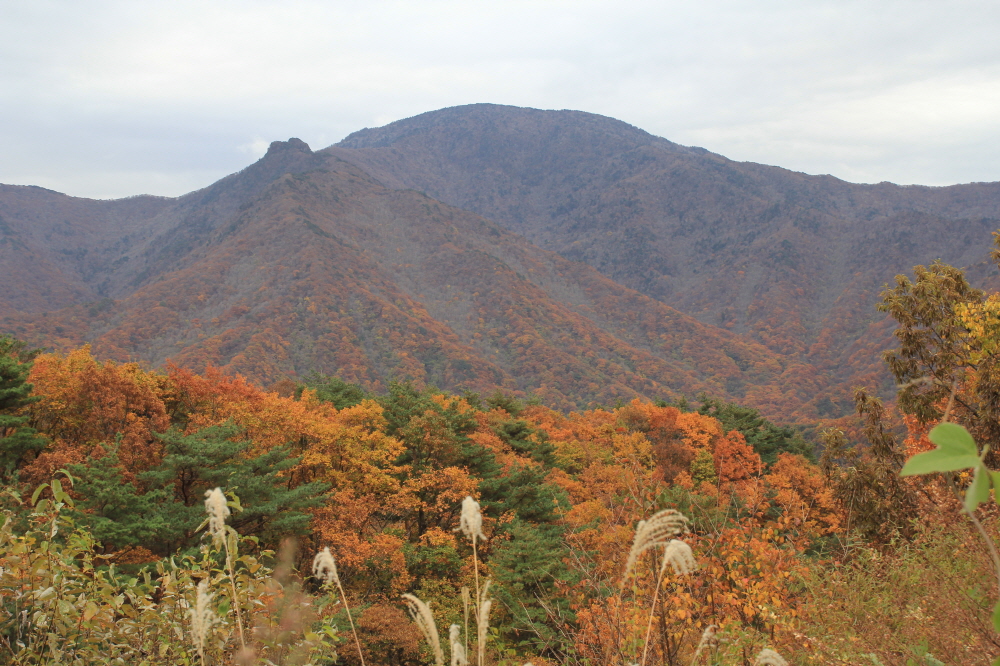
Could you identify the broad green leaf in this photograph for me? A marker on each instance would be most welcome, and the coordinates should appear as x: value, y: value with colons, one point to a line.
x: 938, y: 460
x: 955, y: 450
x: 953, y: 438
x: 979, y: 490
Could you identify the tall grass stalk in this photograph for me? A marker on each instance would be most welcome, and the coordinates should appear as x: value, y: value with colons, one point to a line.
x: 708, y: 640
x: 466, y: 601
x: 202, y: 618
x: 768, y: 657
x: 471, y: 525
x: 458, y: 655
x: 325, y: 568
x: 422, y: 616
x: 483, y: 622
x: 678, y: 555
x: 218, y: 510
x: 658, y: 531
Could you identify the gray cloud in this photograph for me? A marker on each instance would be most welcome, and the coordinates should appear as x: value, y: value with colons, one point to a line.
x: 105, y: 99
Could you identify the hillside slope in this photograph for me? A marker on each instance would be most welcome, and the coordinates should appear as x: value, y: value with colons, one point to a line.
x: 304, y: 262
x: 404, y: 252
x: 792, y: 260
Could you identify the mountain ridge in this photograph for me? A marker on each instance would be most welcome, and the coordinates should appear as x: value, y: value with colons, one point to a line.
x: 730, y: 243
x: 328, y: 270
x: 555, y: 252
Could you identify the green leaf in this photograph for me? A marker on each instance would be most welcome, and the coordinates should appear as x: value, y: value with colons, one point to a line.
x: 58, y: 493
x: 955, y: 450
x: 38, y: 491
x: 996, y: 617
x: 235, y: 502
x: 979, y: 490
x: 938, y: 460
x: 953, y: 438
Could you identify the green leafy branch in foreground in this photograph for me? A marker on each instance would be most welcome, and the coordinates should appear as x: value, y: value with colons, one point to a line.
x: 956, y: 450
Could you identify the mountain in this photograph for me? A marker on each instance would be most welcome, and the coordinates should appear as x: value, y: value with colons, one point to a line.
x: 303, y: 262
x: 794, y: 261
x: 558, y: 253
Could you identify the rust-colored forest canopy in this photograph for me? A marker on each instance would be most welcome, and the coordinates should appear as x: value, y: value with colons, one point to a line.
x: 380, y: 480
x: 383, y: 480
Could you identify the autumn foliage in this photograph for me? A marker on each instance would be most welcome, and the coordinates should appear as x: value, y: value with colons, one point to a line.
x: 379, y: 480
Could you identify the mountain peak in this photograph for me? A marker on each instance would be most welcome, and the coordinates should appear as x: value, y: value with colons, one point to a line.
x: 293, y: 144
x: 476, y: 122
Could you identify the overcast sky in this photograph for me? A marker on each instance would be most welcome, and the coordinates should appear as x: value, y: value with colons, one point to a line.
x: 112, y: 98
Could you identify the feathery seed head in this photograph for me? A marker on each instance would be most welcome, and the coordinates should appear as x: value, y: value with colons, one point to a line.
x: 421, y: 614
x: 218, y: 511
x: 325, y: 567
x: 708, y: 640
x: 662, y: 526
x: 483, y: 616
x: 471, y: 522
x: 202, y: 617
x: 679, y: 556
x: 768, y: 657
x: 458, y: 657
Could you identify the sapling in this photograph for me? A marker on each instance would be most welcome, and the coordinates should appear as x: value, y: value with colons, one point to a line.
x: 956, y: 450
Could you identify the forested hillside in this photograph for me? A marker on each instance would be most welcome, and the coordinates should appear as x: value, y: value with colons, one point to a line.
x: 500, y: 386
x: 390, y: 256
x: 327, y: 270
x: 793, y: 261
x: 171, y: 517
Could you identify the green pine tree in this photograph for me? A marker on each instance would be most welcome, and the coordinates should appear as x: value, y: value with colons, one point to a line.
x: 335, y: 390
x: 530, y: 567
x: 766, y: 438
x: 18, y: 442
x: 165, y: 513
x: 116, y: 512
